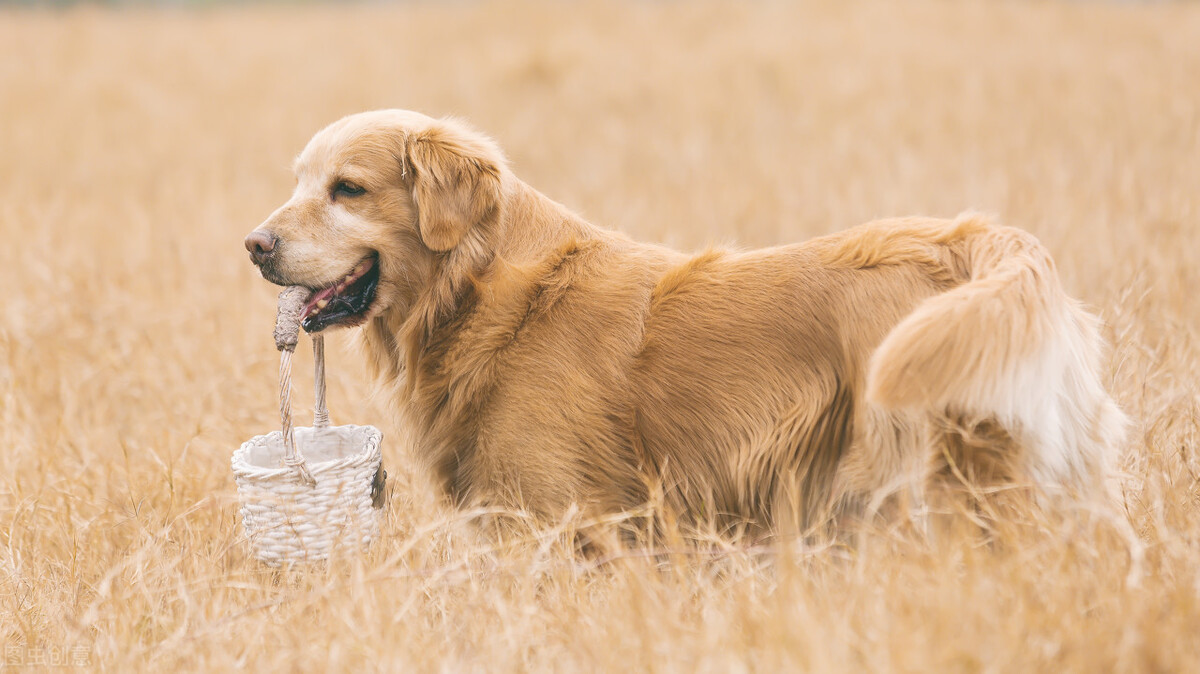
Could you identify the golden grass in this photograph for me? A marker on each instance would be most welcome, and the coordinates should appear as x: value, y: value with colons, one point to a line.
x: 137, y: 148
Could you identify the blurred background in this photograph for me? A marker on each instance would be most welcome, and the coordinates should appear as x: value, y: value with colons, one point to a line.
x: 140, y: 142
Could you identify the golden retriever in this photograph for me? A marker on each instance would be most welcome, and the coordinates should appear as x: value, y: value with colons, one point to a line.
x: 540, y: 361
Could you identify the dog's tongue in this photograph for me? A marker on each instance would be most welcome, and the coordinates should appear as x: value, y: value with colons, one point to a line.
x: 319, y: 298
x: 323, y: 294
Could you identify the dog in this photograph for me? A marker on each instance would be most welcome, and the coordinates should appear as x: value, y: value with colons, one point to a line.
x: 542, y: 363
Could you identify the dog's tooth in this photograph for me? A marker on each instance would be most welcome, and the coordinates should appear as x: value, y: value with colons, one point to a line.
x: 321, y: 304
x: 358, y: 271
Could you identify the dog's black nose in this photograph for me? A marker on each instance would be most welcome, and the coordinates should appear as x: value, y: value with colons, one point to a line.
x: 261, y: 245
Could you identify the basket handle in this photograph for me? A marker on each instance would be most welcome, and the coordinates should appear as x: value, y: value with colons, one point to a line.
x: 287, y: 334
x: 320, y: 412
x: 291, y: 456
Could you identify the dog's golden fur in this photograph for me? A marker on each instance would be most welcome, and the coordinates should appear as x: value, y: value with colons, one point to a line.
x: 540, y: 361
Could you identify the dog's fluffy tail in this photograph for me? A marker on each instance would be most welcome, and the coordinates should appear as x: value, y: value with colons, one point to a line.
x: 1007, y: 344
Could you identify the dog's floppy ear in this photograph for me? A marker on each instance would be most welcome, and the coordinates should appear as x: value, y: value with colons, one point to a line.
x: 455, y: 179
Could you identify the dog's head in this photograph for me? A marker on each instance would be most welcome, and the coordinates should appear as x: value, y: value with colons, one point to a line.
x: 380, y: 197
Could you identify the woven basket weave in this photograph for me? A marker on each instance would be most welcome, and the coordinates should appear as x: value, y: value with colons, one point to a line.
x: 310, y: 491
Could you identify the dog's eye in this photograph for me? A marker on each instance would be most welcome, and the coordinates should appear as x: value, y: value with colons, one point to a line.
x: 347, y: 188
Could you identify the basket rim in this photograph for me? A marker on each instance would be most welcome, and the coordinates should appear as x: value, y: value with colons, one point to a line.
x: 369, y: 454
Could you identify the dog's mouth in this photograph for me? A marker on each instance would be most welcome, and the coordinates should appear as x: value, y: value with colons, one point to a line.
x: 345, y: 302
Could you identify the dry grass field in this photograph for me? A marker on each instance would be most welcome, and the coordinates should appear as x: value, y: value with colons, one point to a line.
x: 138, y: 147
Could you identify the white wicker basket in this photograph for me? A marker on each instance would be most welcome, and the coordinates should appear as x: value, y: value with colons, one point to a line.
x: 307, y: 492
